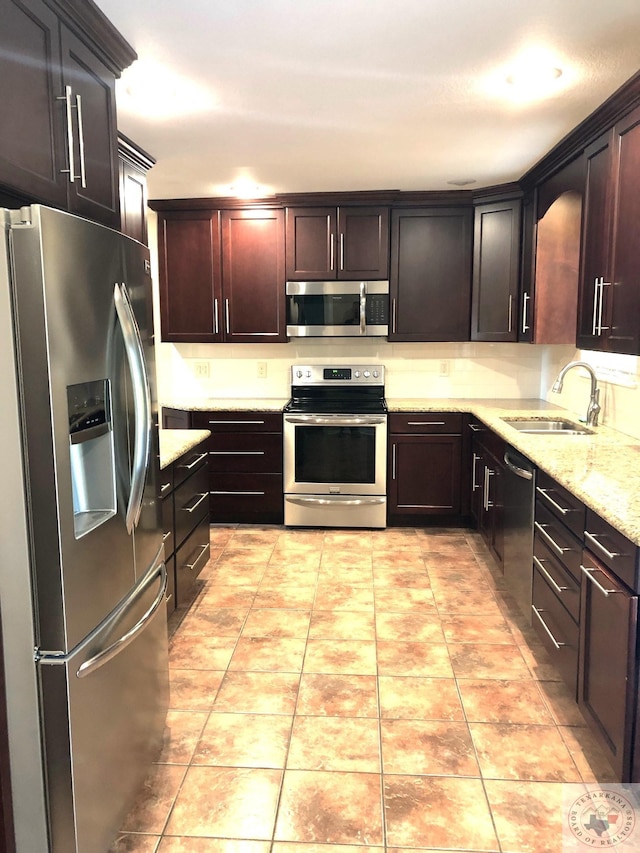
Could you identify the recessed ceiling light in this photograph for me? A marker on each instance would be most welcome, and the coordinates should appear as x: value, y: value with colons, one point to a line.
x: 463, y: 182
x: 153, y: 90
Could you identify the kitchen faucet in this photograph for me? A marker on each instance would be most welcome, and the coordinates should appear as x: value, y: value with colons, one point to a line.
x: 593, y: 408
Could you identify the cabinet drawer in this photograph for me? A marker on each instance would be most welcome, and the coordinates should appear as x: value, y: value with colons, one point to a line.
x: 165, y: 482
x: 166, y: 509
x: 237, y: 421
x: 557, y: 630
x: 189, y: 463
x: 486, y: 438
x: 562, y: 503
x: 613, y: 549
x: 564, y: 585
x: 191, y: 558
x: 421, y: 422
x: 191, y: 504
x: 234, y: 496
x: 246, y: 452
x: 560, y: 541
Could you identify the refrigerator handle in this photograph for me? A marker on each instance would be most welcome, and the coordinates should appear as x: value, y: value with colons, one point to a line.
x: 122, y: 642
x: 141, y: 401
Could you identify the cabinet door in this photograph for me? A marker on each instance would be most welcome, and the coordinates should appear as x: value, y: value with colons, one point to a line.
x: 425, y: 474
x: 32, y: 154
x: 311, y: 243
x: 94, y: 193
x: 527, y: 268
x: 133, y: 202
x: 363, y: 243
x: 495, y: 271
x: 607, y: 680
x: 189, y: 264
x: 253, y: 275
x: 624, y: 315
x: 596, y: 238
x: 430, y: 274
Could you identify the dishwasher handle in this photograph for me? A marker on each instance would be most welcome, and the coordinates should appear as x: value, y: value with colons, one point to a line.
x: 525, y: 473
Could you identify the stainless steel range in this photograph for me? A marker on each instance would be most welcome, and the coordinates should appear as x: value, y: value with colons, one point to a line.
x: 335, y: 447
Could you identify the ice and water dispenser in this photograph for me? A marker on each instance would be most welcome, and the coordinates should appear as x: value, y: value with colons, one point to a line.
x: 92, y: 455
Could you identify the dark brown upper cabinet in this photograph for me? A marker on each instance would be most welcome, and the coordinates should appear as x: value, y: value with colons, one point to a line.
x: 551, y: 218
x: 253, y: 276
x: 59, y: 90
x: 430, y: 275
x: 190, y: 276
x: 133, y: 163
x: 609, y: 310
x: 222, y: 276
x: 496, y: 264
x: 325, y: 243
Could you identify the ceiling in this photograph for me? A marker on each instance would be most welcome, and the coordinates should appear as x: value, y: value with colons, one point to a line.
x: 339, y: 95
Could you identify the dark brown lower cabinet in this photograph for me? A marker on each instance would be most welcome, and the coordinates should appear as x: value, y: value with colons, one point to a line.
x: 184, y: 498
x: 487, y: 487
x: 608, y: 665
x: 425, y: 463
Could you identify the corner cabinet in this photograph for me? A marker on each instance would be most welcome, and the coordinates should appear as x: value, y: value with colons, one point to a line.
x: 425, y: 462
x: 430, y: 275
x: 496, y: 263
x: 326, y: 243
x: 222, y: 276
x: 59, y: 90
x: 609, y: 312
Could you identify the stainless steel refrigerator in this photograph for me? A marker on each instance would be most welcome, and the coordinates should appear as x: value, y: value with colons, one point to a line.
x: 82, y: 575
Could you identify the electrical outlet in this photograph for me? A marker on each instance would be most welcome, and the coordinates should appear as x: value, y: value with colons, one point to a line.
x: 444, y: 368
x: 201, y: 368
x: 262, y: 370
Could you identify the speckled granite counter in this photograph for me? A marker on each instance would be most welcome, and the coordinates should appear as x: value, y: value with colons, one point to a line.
x: 602, y: 469
x: 175, y: 442
x: 227, y: 404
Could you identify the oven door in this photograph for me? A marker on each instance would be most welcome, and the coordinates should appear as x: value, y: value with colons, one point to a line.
x: 335, y: 454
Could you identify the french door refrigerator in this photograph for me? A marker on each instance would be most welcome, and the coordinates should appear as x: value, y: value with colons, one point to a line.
x: 82, y: 575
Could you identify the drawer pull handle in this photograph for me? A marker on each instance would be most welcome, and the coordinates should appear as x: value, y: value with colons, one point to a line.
x: 425, y: 423
x: 195, y: 462
x: 592, y: 537
x: 239, y: 492
x: 564, y: 510
x: 236, y: 453
x: 604, y: 591
x: 559, y: 589
x: 546, y: 627
x: 193, y: 508
x: 203, y: 551
x: 166, y: 535
x: 475, y: 428
x: 549, y: 539
x: 236, y: 422
x: 164, y: 487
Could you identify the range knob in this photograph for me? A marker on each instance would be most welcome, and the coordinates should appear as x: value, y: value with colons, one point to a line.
x: 299, y: 374
x: 366, y: 374
x: 357, y: 374
x: 308, y: 374
x: 375, y: 374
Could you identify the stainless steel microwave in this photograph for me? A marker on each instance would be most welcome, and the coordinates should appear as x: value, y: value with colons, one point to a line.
x: 342, y: 309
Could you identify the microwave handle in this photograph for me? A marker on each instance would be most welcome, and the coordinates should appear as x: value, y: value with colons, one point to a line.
x: 363, y: 307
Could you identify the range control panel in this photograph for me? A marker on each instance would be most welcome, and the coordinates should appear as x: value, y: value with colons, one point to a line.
x: 355, y: 374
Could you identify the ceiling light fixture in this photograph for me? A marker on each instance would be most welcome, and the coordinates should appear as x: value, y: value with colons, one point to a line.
x: 533, y: 76
x: 463, y: 182
x: 148, y: 88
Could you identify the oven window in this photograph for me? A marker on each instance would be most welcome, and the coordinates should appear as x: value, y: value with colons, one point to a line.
x: 335, y: 454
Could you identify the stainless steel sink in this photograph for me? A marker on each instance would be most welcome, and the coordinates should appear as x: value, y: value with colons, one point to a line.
x: 547, y: 427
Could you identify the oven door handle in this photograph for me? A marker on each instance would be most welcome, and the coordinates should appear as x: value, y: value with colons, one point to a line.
x: 333, y: 420
x: 333, y: 501
x: 363, y: 308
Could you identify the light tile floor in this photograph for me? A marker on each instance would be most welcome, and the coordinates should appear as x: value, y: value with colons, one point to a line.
x: 349, y: 691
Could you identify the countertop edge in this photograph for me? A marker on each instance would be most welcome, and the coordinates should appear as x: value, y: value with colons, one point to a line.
x: 176, y: 442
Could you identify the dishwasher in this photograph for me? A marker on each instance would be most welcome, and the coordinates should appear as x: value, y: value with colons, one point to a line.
x: 519, y: 499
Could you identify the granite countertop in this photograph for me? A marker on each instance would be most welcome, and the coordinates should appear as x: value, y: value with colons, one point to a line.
x: 230, y: 404
x: 602, y: 468
x: 175, y: 442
